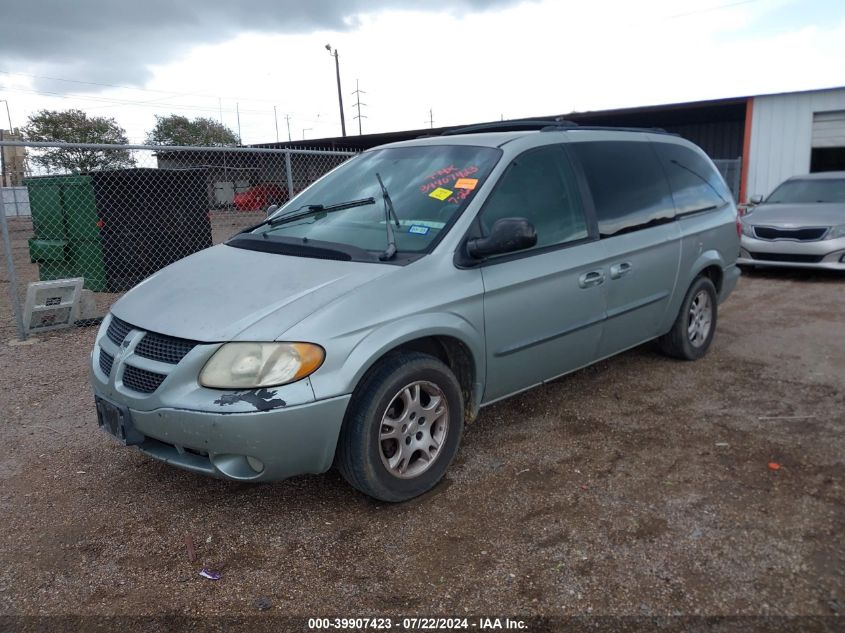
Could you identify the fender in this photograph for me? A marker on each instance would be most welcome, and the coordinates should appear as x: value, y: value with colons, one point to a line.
x: 385, y: 337
x: 710, y: 257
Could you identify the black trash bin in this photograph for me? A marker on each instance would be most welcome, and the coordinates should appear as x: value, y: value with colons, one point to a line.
x: 149, y: 218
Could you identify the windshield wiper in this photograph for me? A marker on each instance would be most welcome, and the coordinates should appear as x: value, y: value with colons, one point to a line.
x: 317, y: 209
x: 389, y: 212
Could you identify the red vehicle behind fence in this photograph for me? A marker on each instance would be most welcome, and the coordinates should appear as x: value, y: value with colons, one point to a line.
x: 260, y: 197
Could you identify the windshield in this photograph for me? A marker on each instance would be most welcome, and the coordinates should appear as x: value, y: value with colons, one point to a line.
x: 429, y: 186
x: 802, y: 191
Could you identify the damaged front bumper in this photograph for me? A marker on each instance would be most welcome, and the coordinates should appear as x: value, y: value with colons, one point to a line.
x: 261, y: 446
x: 260, y: 434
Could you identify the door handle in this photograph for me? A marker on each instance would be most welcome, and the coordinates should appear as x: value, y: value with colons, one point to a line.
x: 617, y: 270
x: 592, y: 278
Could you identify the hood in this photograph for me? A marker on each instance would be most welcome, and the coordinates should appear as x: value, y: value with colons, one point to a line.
x: 225, y: 293
x: 797, y: 215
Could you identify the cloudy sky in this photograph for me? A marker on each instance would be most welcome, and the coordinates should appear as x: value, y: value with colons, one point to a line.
x: 462, y: 60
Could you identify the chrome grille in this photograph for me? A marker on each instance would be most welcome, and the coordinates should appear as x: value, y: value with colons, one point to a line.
x: 802, y: 235
x: 106, y: 362
x: 141, y: 380
x: 118, y: 330
x: 165, y: 349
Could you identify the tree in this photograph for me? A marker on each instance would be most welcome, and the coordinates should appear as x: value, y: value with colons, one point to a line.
x: 180, y: 130
x: 75, y: 126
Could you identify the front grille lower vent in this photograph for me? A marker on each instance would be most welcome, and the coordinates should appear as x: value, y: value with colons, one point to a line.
x: 788, y: 257
x: 165, y: 349
x: 141, y: 380
x: 106, y: 362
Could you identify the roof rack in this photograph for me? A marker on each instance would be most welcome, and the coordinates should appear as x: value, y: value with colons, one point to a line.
x: 613, y: 128
x: 510, y: 126
x: 561, y: 125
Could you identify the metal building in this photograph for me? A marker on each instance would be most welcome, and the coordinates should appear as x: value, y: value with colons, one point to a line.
x: 793, y: 133
x: 756, y: 141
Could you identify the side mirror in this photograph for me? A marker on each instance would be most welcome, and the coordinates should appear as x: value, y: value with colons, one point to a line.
x: 755, y: 200
x: 507, y: 235
x: 272, y: 209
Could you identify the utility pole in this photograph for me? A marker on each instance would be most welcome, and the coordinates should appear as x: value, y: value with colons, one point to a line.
x: 3, y: 182
x: 287, y: 118
x: 238, y: 114
x: 339, y: 92
x: 11, y: 130
x: 431, y: 117
x: 220, y: 108
x: 276, y: 119
x: 358, y: 92
x: 3, y: 175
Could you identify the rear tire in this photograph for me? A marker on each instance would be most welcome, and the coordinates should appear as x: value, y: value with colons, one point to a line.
x: 693, y: 330
x: 402, y: 429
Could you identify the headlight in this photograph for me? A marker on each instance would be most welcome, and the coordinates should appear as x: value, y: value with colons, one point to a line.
x: 747, y: 230
x: 835, y: 232
x: 254, y: 365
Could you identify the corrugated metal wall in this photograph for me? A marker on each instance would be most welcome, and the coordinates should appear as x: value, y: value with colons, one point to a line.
x: 781, y: 135
x: 720, y: 139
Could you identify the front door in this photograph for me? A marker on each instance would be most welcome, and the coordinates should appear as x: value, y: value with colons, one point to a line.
x: 543, y: 307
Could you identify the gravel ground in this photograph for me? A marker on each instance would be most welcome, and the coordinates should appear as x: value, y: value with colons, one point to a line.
x: 638, y: 486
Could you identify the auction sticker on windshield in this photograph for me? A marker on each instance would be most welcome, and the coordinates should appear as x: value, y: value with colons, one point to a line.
x: 440, y: 193
x: 466, y: 183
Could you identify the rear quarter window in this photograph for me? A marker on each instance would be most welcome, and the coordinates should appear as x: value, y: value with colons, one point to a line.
x: 696, y: 185
x: 627, y: 183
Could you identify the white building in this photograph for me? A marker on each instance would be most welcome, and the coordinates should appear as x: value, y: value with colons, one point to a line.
x: 793, y: 133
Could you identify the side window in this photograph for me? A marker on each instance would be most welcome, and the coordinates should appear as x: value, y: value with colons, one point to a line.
x: 696, y: 185
x: 541, y: 187
x: 628, y: 185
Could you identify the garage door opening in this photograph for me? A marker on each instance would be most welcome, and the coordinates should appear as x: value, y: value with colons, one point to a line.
x: 828, y: 152
x: 827, y: 159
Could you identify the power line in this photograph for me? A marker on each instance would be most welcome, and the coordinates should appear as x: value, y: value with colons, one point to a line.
x: 358, y: 92
x: 146, y: 104
x: 709, y: 9
x: 106, y: 85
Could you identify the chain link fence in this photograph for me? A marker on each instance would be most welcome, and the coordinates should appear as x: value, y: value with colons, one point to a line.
x: 731, y: 170
x: 133, y: 210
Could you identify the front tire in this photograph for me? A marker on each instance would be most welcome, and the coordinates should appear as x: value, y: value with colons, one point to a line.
x: 402, y: 429
x: 693, y: 330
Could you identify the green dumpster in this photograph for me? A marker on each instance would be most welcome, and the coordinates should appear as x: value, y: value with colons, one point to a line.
x: 66, y: 240
x: 117, y: 227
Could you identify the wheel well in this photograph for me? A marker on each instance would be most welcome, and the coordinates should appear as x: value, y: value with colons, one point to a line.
x: 714, y: 273
x: 455, y: 355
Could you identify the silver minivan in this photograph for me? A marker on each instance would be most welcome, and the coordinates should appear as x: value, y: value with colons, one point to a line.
x: 371, y: 317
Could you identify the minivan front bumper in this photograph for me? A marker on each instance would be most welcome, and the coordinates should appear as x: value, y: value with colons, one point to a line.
x: 259, y: 446
x: 256, y: 435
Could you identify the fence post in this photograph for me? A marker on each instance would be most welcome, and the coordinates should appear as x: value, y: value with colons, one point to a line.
x: 289, y: 172
x: 13, y: 279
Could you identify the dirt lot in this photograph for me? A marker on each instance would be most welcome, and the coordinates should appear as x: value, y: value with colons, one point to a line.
x: 638, y: 486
